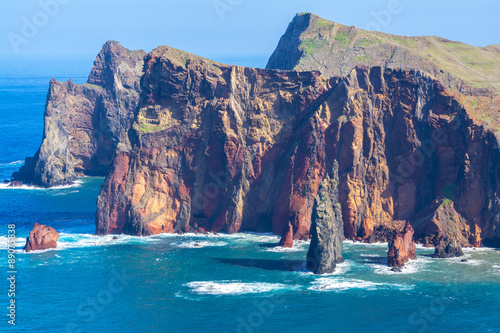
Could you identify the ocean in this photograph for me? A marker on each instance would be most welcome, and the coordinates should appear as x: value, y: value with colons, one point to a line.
x: 201, y: 283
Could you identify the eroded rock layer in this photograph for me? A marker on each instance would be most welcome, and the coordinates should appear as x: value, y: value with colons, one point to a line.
x: 230, y: 148
x: 223, y: 147
x: 85, y: 123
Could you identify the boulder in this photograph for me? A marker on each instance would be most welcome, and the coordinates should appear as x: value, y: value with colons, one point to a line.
x: 41, y: 237
x: 448, y: 248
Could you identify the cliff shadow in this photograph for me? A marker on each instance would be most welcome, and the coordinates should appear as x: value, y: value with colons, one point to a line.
x: 270, y: 265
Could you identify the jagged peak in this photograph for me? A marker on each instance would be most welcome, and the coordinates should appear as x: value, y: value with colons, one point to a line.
x: 106, y: 63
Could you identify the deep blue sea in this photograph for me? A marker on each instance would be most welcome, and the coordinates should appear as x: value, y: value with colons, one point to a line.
x: 189, y: 283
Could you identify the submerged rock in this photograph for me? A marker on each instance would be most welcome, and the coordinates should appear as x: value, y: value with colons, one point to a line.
x: 327, y: 228
x: 41, y: 237
x: 287, y: 238
x: 402, y: 247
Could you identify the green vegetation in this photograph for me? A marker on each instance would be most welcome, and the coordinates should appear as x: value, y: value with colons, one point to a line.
x: 362, y: 59
x: 322, y: 24
x: 92, y: 86
x: 344, y: 38
x: 146, y: 128
x: 365, y: 42
x: 446, y: 202
x: 405, y: 41
x: 311, y: 45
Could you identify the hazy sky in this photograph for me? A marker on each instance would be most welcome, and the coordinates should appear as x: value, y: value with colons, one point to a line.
x: 225, y: 27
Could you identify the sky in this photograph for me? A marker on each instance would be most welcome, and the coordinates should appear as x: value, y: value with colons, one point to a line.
x: 225, y: 27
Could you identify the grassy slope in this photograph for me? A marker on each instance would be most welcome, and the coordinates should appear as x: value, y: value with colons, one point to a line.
x: 335, y: 49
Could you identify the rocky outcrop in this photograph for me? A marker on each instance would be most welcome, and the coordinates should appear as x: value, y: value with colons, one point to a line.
x: 230, y: 149
x: 85, y: 123
x: 441, y: 221
x: 287, y: 238
x: 41, y: 237
x: 448, y: 248
x: 327, y: 228
x: 401, y: 247
x: 313, y: 43
x: 224, y: 148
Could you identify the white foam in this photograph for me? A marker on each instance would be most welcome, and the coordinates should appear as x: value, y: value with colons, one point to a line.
x: 234, y: 287
x: 413, y: 266
x: 477, y: 249
x: 378, y: 244
x: 340, y: 269
x: 341, y: 284
x: 198, y: 244
x: 7, y: 186
x: 297, y: 246
x: 12, y: 163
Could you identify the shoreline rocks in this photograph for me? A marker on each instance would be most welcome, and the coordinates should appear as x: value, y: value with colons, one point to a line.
x: 402, y: 247
x: 287, y: 238
x: 448, y: 248
x: 41, y: 237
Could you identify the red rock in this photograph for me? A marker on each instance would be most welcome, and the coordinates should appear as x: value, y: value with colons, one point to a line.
x: 401, y: 247
x: 287, y: 239
x: 42, y: 237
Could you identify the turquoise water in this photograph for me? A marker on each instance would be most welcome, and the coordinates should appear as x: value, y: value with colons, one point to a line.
x: 190, y: 283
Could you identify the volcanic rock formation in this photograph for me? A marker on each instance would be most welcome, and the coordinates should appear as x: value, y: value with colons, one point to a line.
x: 227, y: 148
x: 327, y: 228
x: 448, y: 248
x: 287, y: 238
x: 85, y: 123
x: 401, y: 247
x: 41, y: 237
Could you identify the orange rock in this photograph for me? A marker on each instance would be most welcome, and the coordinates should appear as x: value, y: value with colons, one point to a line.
x: 42, y: 237
x: 287, y: 238
x: 401, y: 247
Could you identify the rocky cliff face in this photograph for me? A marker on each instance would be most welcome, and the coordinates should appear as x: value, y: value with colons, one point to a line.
x: 231, y: 148
x: 85, y: 123
x: 224, y: 148
x: 327, y: 227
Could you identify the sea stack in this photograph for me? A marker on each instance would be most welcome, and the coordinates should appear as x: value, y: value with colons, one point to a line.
x: 448, y: 248
x: 327, y: 227
x: 41, y: 237
x: 287, y: 238
x: 401, y: 247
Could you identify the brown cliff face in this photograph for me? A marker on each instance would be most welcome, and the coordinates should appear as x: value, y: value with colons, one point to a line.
x: 85, y: 123
x: 401, y: 247
x: 41, y: 237
x: 225, y: 147
x: 233, y: 149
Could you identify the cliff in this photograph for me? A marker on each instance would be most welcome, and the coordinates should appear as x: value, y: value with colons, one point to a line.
x: 224, y: 148
x: 313, y: 43
x: 83, y: 124
x: 228, y: 148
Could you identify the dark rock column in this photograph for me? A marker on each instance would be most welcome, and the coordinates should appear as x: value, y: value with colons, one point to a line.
x: 327, y: 227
